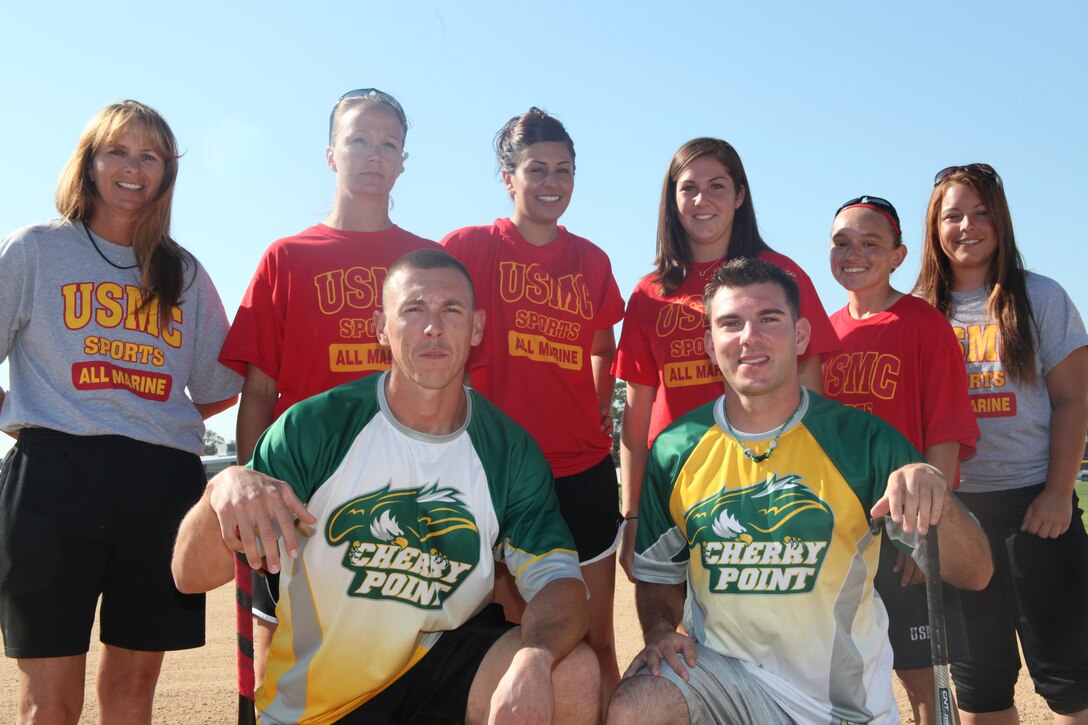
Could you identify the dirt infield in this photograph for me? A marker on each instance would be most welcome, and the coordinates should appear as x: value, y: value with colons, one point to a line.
x: 197, y: 686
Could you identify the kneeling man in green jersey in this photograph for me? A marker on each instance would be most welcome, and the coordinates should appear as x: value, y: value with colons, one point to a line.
x: 384, y: 504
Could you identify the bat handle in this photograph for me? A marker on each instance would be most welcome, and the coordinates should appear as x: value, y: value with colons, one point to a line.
x: 938, y: 643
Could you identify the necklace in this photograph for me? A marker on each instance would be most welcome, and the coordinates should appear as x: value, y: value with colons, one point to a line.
x: 103, y: 256
x: 709, y: 266
x: 774, y: 442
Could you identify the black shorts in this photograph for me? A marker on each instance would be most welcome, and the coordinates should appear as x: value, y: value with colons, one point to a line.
x: 83, y: 516
x: 1040, y: 591
x: 908, y: 614
x: 590, y: 504
x: 435, y: 691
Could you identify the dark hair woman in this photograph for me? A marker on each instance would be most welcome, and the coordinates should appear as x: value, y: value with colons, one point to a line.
x: 551, y: 302
x: 706, y: 217
x: 908, y: 360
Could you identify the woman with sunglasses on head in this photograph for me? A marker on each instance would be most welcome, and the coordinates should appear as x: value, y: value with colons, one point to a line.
x: 706, y: 217
x: 899, y: 361
x: 1026, y: 354
x: 113, y: 330
x: 306, y: 323
x: 551, y: 302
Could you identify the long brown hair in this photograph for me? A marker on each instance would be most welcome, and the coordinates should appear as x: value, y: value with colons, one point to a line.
x: 673, y: 259
x: 161, y: 259
x: 1008, y: 302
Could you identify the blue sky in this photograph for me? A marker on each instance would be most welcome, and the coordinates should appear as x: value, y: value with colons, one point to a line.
x: 824, y: 101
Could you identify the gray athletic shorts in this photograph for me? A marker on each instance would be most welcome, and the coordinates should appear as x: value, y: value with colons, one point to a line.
x: 722, y: 691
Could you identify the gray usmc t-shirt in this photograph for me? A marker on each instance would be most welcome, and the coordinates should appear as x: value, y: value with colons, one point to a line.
x: 85, y: 359
x: 1014, y: 418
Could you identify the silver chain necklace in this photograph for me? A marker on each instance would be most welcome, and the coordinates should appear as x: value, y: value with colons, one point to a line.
x: 710, y: 266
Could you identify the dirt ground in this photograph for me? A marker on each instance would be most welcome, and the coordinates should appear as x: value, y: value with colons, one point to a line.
x: 197, y: 686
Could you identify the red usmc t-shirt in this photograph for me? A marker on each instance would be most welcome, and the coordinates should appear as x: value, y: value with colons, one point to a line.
x: 905, y: 366
x: 662, y: 344
x: 544, y: 305
x: 307, y: 319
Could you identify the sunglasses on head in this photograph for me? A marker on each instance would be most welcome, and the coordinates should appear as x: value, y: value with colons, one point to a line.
x: 984, y: 170
x: 380, y: 96
x: 882, y: 206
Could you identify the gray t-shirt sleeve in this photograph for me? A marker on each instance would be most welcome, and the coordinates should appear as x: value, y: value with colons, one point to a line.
x: 209, y: 381
x: 1013, y: 416
x: 1059, y: 326
x: 16, y: 290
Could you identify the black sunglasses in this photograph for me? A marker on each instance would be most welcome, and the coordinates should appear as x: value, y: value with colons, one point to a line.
x: 380, y: 96
x: 984, y: 170
x: 875, y: 202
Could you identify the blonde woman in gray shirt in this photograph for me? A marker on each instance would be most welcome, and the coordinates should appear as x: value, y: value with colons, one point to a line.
x: 112, y: 331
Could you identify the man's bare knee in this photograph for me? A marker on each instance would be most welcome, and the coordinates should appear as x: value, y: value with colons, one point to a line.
x: 577, y: 683
x: 647, y: 700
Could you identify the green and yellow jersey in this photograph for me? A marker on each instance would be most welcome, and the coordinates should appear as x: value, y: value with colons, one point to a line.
x: 778, y: 555
x: 408, y: 528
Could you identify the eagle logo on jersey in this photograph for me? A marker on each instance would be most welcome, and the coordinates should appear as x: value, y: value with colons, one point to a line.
x: 770, y: 537
x: 414, y: 545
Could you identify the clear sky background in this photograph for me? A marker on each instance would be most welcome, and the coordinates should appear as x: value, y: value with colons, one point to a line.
x: 824, y: 101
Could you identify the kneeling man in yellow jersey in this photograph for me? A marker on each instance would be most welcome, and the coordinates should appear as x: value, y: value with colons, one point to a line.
x: 756, y: 510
